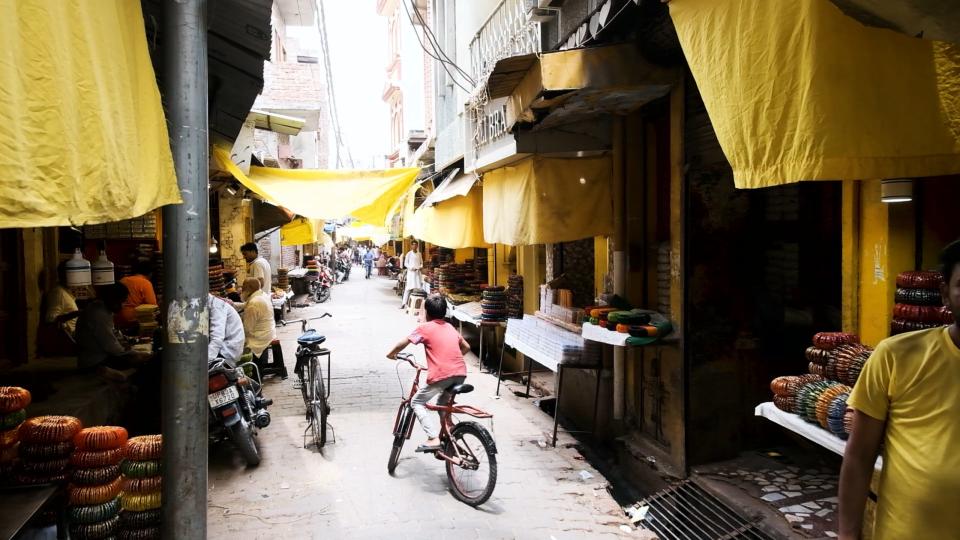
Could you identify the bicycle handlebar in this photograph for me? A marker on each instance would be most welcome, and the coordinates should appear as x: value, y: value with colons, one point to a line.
x: 409, y: 358
x: 303, y: 322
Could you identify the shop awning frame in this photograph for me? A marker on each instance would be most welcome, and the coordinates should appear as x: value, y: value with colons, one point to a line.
x: 562, y: 87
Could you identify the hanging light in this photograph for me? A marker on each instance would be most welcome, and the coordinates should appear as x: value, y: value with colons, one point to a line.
x: 214, y: 246
x: 78, y: 270
x: 103, y: 270
x: 246, y: 196
x: 231, y: 190
x: 896, y: 190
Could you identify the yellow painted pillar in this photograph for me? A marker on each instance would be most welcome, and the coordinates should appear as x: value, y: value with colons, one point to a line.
x: 887, y: 246
x: 850, y: 305
x: 531, y: 265
x: 601, y: 264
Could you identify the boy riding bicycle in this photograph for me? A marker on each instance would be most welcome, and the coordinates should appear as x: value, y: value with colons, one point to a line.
x: 445, y: 366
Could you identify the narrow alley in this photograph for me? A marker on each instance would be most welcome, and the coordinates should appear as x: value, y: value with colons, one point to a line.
x: 345, y: 491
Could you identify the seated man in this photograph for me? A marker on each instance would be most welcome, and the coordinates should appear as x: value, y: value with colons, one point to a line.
x: 258, y: 322
x: 226, y: 331
x: 55, y: 336
x: 99, y: 348
x: 141, y: 293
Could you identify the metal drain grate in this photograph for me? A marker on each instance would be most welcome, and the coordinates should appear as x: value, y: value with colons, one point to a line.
x: 687, y: 512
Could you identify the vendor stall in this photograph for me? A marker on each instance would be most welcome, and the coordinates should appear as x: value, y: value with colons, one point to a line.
x: 554, y: 348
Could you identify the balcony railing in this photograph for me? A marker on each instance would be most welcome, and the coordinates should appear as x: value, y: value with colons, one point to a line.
x: 507, y: 32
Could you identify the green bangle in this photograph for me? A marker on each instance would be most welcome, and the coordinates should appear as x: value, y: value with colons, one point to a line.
x: 141, y: 469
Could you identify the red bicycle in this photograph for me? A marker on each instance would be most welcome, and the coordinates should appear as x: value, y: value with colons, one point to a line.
x: 467, y: 447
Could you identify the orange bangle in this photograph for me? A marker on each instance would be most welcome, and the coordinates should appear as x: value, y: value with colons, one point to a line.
x: 83, y: 459
x: 49, y: 429
x: 145, y: 447
x: 88, y: 495
x: 101, y: 438
x: 13, y: 398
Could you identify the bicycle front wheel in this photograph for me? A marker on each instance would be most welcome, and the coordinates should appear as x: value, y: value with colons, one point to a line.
x: 472, y: 479
x: 318, y: 405
x: 402, y: 433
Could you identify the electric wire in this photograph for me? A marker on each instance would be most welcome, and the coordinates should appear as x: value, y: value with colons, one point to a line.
x: 321, y: 23
x: 439, y: 49
x: 432, y: 55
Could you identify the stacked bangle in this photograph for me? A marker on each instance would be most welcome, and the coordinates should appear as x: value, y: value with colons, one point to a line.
x: 82, y: 459
x: 141, y: 469
x: 13, y: 398
x: 92, y: 477
x: 49, y: 429
x: 145, y: 447
x: 88, y: 495
x: 101, y: 438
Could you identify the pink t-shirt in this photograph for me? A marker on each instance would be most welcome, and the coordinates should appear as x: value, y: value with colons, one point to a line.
x: 442, y: 344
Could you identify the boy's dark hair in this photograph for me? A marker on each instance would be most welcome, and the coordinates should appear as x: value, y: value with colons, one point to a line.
x: 250, y: 246
x: 949, y: 260
x: 436, y: 306
x: 115, y: 293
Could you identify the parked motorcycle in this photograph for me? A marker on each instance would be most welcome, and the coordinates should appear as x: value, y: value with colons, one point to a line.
x: 343, y: 270
x: 320, y: 288
x: 237, y: 408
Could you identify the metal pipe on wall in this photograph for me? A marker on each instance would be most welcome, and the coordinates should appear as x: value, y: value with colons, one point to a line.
x: 619, y: 257
x: 185, y: 286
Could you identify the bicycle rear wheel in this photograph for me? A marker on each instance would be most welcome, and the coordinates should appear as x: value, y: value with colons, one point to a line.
x: 318, y: 405
x: 473, y: 479
x: 402, y: 433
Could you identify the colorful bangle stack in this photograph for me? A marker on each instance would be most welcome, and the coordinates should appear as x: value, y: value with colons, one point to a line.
x: 13, y: 412
x: 785, y: 390
x: 45, y: 448
x: 835, y: 415
x: 142, y: 487
x: 826, y: 399
x: 94, y: 492
x: 919, y: 303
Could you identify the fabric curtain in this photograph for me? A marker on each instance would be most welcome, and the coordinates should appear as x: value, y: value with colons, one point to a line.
x: 83, y: 138
x: 300, y: 231
x: 453, y: 223
x: 547, y: 200
x: 796, y: 90
x: 367, y: 195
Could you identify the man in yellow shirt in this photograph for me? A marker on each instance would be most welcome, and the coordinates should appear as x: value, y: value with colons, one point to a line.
x: 908, y: 398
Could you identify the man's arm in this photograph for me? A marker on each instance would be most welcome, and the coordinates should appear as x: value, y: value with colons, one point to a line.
x: 464, y: 346
x: 857, y: 470
x: 218, y: 328
x: 402, y: 344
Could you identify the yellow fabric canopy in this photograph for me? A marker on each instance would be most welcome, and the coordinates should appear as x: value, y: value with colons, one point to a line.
x: 301, y: 231
x: 367, y: 195
x: 364, y: 231
x: 546, y: 200
x: 83, y: 137
x: 796, y: 90
x: 453, y: 223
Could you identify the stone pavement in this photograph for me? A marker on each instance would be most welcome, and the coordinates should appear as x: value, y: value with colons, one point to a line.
x: 345, y: 491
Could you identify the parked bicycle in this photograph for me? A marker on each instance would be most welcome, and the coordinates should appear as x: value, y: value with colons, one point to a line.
x: 467, y: 447
x: 315, y: 392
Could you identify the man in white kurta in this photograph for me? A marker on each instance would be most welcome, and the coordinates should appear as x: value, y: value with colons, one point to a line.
x: 413, y: 262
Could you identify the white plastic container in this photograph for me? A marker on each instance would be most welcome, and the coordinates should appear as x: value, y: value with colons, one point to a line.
x: 102, y: 270
x: 78, y: 270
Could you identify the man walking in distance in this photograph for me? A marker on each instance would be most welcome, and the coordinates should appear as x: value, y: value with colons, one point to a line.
x: 412, y: 262
x: 908, y: 398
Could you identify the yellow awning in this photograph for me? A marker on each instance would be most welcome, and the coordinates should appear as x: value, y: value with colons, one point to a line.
x: 300, y: 231
x: 453, y: 223
x: 364, y: 231
x: 575, y: 85
x: 83, y: 137
x: 796, y: 90
x: 546, y: 200
x: 367, y: 195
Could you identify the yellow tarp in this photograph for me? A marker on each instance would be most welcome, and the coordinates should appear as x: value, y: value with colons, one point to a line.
x: 546, y: 200
x: 82, y: 134
x: 796, y: 90
x: 453, y: 223
x: 364, y: 231
x: 367, y: 195
x: 302, y: 231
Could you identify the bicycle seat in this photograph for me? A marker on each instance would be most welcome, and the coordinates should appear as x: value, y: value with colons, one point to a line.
x: 310, y: 338
x: 460, y: 389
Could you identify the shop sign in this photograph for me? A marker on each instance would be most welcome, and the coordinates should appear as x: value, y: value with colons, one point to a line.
x: 490, y: 123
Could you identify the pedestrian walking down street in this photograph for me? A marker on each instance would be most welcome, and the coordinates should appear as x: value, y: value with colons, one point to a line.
x: 412, y: 262
x: 368, y: 262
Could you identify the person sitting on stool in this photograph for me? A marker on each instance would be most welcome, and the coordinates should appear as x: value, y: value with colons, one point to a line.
x: 258, y: 324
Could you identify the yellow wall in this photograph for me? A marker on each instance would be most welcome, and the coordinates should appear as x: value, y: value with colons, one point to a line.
x: 885, y: 242
x: 236, y: 229
x: 601, y: 263
x: 531, y: 265
x: 460, y: 256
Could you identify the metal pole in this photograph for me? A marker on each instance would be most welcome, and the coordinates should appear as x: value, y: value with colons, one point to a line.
x: 185, y: 253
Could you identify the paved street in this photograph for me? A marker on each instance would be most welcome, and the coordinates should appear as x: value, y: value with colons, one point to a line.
x: 345, y: 491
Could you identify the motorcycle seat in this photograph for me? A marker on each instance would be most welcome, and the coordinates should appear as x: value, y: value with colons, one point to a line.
x: 460, y: 389
x: 311, y: 337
